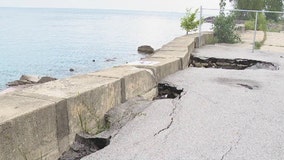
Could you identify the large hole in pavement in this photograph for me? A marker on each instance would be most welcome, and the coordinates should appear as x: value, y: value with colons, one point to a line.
x: 237, y: 64
x: 165, y: 91
x: 84, y: 145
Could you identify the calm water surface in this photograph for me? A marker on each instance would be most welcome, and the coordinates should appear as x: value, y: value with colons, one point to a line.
x: 48, y: 42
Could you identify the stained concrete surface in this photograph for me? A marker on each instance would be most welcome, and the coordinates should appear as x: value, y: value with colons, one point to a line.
x: 218, y: 116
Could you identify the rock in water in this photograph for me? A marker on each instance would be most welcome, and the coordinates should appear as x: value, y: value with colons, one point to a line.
x: 27, y: 80
x: 31, y: 78
x: 146, y: 49
x: 18, y: 83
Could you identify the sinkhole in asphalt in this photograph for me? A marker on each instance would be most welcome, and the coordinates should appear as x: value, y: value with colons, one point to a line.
x: 84, y: 145
x: 167, y: 91
x: 237, y: 64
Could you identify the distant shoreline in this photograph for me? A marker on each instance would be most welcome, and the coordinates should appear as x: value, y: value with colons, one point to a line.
x: 97, y: 9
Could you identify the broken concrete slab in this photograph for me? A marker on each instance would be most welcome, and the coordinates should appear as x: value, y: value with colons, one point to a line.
x: 135, y: 81
x: 161, y: 67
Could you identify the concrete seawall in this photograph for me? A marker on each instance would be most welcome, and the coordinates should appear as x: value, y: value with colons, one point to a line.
x: 41, y: 121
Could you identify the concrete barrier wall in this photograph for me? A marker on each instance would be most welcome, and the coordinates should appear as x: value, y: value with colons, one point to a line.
x: 41, y: 121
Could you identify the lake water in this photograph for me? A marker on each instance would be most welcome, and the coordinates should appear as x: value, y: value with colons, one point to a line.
x: 48, y: 42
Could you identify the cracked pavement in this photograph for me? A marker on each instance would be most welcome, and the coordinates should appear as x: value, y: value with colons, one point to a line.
x: 216, y: 118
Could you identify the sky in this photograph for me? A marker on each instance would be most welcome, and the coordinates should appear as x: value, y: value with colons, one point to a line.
x: 147, y: 5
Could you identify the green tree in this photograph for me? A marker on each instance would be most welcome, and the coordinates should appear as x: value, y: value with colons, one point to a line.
x: 268, y: 5
x: 189, y: 22
x: 248, y: 5
x: 273, y: 5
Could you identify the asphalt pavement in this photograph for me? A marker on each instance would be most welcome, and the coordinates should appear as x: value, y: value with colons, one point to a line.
x: 222, y: 114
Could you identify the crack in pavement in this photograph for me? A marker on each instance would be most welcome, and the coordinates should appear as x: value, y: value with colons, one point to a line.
x: 175, y: 104
x: 231, y: 148
x: 169, y: 125
x: 224, y: 155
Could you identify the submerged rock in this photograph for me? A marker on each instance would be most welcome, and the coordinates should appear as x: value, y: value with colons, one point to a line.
x: 110, y: 60
x: 30, y: 80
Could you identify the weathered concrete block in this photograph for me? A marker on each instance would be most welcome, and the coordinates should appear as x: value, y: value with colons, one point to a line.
x: 134, y: 81
x: 183, y: 43
x: 87, y: 97
x: 27, y: 128
x: 184, y: 56
x: 205, y: 38
x: 151, y: 94
x: 191, y: 47
x: 161, y: 67
x: 180, y: 47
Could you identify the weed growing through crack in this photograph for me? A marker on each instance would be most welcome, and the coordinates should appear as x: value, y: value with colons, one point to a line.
x: 100, y: 124
x: 82, y: 121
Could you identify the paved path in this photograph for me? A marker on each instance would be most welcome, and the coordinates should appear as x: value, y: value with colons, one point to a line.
x: 274, y: 41
x: 216, y: 118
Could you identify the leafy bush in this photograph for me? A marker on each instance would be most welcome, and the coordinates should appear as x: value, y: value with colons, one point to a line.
x: 249, y: 25
x: 189, y: 22
x: 225, y: 29
x: 261, y: 23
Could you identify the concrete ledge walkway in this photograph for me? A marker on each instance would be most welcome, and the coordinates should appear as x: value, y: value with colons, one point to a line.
x: 216, y: 118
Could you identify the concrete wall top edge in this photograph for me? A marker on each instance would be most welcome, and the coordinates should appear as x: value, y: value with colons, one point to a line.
x: 152, y: 62
x: 69, y: 87
x: 174, y: 48
x: 13, y: 106
x: 117, y: 71
x: 180, y: 42
x: 170, y: 52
